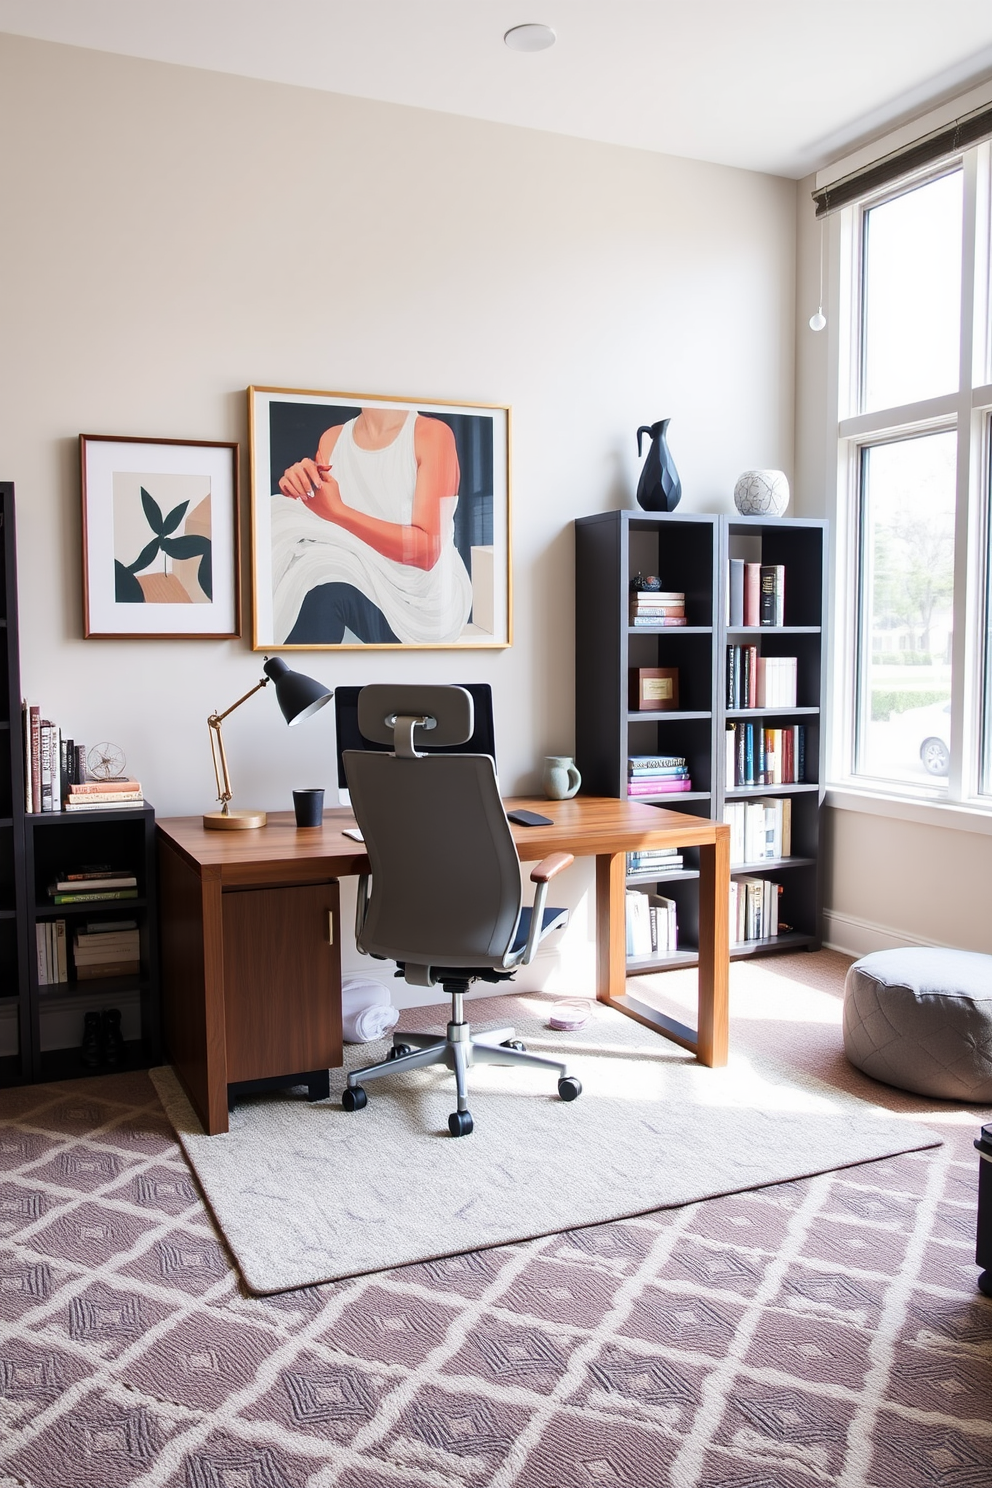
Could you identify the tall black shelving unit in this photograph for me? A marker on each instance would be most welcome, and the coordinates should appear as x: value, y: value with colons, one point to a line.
x: 690, y: 552
x: 16, y: 1064
x: 62, y: 842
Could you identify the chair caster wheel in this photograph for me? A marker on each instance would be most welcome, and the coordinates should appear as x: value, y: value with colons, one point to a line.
x: 353, y: 1098
x: 460, y: 1123
x: 398, y: 1051
x: 514, y: 1044
x: 569, y: 1088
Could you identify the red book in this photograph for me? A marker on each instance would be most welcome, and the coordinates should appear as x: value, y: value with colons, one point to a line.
x: 752, y: 594
x: 788, y: 757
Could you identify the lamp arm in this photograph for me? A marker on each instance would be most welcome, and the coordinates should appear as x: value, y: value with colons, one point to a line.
x: 217, y: 753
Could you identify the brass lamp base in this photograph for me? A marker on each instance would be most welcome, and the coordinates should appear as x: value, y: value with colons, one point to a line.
x: 233, y: 821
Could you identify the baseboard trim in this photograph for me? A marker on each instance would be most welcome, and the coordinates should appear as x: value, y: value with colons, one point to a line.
x: 857, y: 937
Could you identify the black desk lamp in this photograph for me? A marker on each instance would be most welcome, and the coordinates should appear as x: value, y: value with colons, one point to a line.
x: 299, y: 697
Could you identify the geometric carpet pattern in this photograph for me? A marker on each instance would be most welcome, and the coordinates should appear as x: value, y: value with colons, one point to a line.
x: 820, y: 1332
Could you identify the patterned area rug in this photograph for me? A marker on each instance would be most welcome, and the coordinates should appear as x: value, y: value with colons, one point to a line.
x: 309, y: 1193
x: 822, y: 1332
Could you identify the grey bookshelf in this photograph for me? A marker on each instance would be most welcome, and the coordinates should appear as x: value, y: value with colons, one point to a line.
x: 691, y: 552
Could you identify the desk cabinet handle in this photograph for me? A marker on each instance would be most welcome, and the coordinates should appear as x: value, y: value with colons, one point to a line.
x: 330, y: 927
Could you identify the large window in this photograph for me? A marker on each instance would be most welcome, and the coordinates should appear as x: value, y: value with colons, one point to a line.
x: 913, y: 685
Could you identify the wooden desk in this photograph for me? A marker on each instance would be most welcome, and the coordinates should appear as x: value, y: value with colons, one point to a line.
x: 251, y: 939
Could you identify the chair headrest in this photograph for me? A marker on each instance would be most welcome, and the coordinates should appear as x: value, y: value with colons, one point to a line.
x: 447, y: 712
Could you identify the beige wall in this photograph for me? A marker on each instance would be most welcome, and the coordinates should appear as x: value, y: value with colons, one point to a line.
x: 172, y: 235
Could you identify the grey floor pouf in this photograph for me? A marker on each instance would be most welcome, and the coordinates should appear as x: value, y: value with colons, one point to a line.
x: 921, y: 1019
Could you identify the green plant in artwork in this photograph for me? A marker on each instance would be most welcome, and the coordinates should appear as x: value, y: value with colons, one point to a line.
x: 128, y: 590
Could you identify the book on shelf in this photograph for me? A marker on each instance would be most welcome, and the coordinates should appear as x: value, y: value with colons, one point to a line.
x: 106, y: 927
x: 105, y: 787
x: 90, y: 896
x: 655, y: 761
x: 752, y: 594
x: 659, y: 786
x: 772, y: 603
x: 777, y: 681
x: 760, y: 830
x: 111, y: 969
x: 104, y: 803
x: 735, y: 592
x: 53, y: 966
x: 105, y: 798
x: 72, y: 883
x: 754, y: 908
x: 643, y: 621
x: 658, y: 772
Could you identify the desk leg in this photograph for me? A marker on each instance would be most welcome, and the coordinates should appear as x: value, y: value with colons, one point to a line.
x: 611, y: 926
x: 708, y: 1041
x: 714, y: 950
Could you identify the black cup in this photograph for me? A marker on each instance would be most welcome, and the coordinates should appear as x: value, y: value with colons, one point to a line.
x: 309, y: 807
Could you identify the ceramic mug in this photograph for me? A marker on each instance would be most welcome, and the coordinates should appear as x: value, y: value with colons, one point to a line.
x: 561, y: 778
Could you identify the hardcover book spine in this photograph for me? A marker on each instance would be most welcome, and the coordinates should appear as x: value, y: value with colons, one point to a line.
x: 35, y: 758
x: 752, y: 593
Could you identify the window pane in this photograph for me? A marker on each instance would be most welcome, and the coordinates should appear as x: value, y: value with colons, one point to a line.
x: 912, y: 295
x: 905, y: 622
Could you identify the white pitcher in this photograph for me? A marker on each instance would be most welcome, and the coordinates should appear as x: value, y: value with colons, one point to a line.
x: 561, y: 778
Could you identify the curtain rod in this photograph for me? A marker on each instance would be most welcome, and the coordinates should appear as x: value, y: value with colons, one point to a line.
x: 948, y: 140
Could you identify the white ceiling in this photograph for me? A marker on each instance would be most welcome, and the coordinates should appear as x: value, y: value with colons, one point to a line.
x: 775, y: 85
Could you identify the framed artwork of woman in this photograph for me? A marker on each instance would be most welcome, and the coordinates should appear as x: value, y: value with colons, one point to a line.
x: 378, y: 521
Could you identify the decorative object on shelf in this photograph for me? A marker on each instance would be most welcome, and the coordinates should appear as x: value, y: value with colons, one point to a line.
x: 160, y: 538
x: 561, y: 778
x: 761, y: 493
x: 659, y: 488
x: 106, y: 761
x: 654, y: 689
x: 298, y: 696
x: 321, y: 462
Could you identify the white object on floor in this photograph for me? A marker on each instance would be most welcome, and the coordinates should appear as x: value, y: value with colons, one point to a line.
x: 366, y: 1012
x: 570, y: 1013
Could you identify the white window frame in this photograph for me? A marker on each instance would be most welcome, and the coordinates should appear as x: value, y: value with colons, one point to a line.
x: 969, y: 412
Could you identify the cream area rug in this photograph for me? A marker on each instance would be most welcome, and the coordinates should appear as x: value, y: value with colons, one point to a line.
x: 309, y: 1193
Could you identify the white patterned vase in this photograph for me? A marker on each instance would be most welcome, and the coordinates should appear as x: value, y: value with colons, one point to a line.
x: 761, y: 493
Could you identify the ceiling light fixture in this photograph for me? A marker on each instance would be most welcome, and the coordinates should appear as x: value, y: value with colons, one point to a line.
x: 529, y: 38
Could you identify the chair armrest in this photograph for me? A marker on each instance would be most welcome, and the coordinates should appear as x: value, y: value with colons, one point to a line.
x: 551, y: 865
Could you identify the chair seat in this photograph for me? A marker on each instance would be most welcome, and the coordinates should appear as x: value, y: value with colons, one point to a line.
x: 552, y: 919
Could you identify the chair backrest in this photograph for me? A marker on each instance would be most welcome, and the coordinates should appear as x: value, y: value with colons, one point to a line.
x: 445, y: 871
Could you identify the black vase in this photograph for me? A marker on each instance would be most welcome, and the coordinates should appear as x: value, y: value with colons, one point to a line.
x: 659, y: 488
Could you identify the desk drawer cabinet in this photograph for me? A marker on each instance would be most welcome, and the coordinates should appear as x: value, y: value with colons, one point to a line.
x: 282, y: 1006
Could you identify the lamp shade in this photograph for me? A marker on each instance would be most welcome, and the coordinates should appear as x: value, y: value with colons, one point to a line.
x: 299, y: 697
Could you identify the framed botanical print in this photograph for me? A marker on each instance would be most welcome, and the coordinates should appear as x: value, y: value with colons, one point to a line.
x: 378, y: 521
x: 160, y: 538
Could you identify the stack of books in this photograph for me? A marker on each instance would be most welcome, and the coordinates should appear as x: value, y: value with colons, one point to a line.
x: 656, y: 607
x: 755, y: 593
x: 755, y: 681
x: 52, y: 960
x: 106, y: 949
x: 51, y: 762
x: 754, y: 909
x: 92, y: 884
x: 104, y: 795
x: 652, y: 924
x: 657, y: 774
x: 653, y: 862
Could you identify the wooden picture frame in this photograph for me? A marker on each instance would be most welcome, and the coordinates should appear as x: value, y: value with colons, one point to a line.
x: 160, y: 538
x: 378, y: 522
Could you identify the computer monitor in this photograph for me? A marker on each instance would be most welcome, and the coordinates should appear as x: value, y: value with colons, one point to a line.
x: 349, y: 736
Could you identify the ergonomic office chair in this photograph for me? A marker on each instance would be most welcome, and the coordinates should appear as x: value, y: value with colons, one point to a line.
x: 443, y: 899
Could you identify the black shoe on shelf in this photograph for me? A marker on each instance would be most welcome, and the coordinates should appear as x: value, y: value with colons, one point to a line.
x: 114, y: 1052
x: 91, y: 1049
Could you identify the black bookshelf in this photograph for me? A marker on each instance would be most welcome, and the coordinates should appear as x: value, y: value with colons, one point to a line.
x: 59, y: 842
x: 15, y: 1019
x: 690, y: 552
